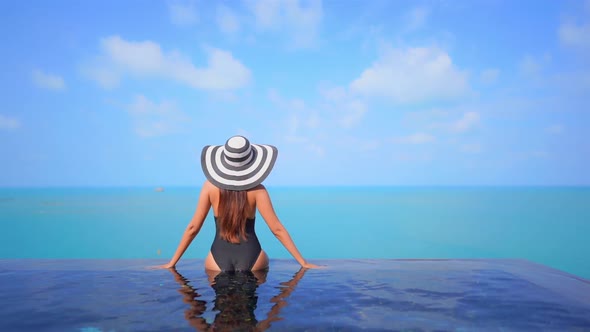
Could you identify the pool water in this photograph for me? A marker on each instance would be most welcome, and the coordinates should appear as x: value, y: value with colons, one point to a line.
x: 400, y: 294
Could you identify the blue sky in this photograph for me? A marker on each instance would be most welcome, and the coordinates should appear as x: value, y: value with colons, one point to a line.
x: 125, y: 93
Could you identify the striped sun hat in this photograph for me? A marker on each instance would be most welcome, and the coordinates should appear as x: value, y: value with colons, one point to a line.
x: 238, y: 165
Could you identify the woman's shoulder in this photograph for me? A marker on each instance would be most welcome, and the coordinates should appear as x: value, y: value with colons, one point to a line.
x: 259, y: 187
x: 208, y: 185
x: 210, y: 189
x: 257, y: 190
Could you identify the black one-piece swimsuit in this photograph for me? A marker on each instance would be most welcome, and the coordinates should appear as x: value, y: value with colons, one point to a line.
x: 236, y: 256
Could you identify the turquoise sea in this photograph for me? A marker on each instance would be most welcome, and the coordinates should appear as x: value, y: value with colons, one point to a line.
x: 547, y: 225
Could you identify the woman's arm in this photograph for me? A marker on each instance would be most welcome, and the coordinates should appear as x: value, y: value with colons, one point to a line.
x: 268, y: 213
x: 194, y: 226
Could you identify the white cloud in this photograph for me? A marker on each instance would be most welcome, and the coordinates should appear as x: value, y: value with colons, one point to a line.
x: 313, y: 121
x: 291, y: 17
x: 412, y: 75
x: 528, y: 155
x: 533, y: 65
x: 292, y: 134
x: 299, y: 129
x: 318, y: 150
x: 490, y: 75
x: 151, y: 119
x: 417, y: 138
x: 349, y: 110
x: 333, y: 94
x: 300, y: 120
x: 304, y: 125
x: 183, y: 13
x: 555, y: 129
x: 243, y: 132
x: 267, y: 12
x: 417, y: 18
x: 471, y: 148
x: 146, y: 59
x: 370, y: 145
x: 294, y: 104
x: 574, y: 35
x: 466, y: 122
x: 539, y: 154
x: 577, y: 34
x: 8, y: 123
x: 107, y: 77
x: 428, y: 115
x: 530, y: 66
x: 227, y: 20
x: 352, y: 112
x: 48, y: 81
x: 358, y: 143
x: 422, y: 157
x: 366, y: 144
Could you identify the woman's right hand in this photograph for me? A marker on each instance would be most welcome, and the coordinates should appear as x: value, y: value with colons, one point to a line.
x: 164, y: 266
x: 311, y: 266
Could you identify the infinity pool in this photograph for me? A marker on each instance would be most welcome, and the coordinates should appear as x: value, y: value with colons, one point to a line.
x: 411, y: 295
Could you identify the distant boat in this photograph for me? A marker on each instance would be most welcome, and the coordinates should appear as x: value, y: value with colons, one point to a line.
x: 159, y: 189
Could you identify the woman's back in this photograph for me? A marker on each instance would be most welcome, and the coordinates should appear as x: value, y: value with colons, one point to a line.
x: 215, y: 198
x: 239, y: 256
x: 235, y: 246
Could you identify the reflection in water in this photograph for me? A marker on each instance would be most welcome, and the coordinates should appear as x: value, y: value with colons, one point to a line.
x: 235, y: 300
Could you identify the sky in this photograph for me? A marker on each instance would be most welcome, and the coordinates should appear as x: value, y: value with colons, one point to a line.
x: 352, y: 93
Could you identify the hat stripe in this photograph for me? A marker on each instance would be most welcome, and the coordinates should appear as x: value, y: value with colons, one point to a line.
x: 225, y: 173
x: 216, y: 159
x: 240, y: 155
x: 237, y: 160
x: 238, y: 166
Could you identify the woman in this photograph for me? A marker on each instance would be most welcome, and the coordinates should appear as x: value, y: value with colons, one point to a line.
x: 233, y: 188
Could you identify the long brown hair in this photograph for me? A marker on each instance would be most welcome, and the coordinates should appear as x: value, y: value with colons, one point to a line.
x: 232, y: 214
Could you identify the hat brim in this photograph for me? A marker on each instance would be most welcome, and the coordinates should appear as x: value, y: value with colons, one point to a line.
x: 224, y: 176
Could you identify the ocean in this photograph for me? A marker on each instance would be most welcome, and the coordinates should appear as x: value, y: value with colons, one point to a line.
x: 546, y: 225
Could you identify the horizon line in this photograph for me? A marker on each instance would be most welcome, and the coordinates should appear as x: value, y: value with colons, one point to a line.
x: 304, y: 186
